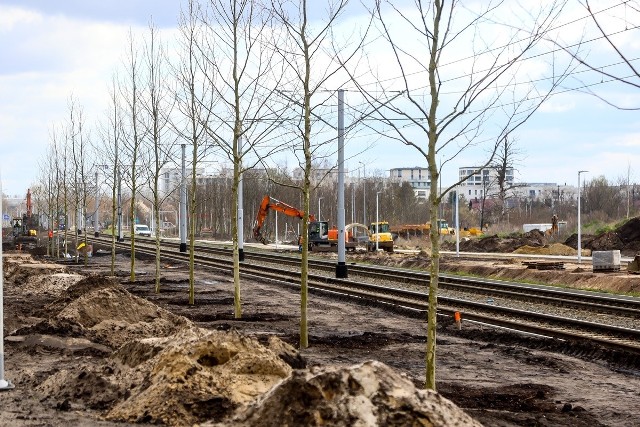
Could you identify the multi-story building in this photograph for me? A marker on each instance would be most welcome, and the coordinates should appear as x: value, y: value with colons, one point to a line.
x: 480, y: 181
x: 417, y: 177
x: 328, y: 176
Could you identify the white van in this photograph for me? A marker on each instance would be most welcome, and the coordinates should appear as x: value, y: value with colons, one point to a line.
x: 142, y: 230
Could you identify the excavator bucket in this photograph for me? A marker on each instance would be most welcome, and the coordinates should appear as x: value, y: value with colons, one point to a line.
x: 634, y: 266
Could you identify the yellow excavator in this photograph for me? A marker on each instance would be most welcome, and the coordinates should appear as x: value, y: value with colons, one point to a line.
x: 380, y: 235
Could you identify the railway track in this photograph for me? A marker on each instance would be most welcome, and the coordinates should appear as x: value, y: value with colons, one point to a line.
x: 257, y: 266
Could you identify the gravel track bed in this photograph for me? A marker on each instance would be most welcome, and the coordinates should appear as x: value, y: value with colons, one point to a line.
x: 550, y: 309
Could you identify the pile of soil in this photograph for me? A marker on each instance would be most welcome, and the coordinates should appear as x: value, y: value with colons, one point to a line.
x: 369, y: 394
x: 497, y: 244
x: 625, y: 238
x: 551, y: 249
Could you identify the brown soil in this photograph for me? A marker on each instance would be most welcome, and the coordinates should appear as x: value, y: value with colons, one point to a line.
x: 93, y: 351
x: 625, y: 238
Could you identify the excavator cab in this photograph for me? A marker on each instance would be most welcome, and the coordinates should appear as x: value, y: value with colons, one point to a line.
x: 318, y: 230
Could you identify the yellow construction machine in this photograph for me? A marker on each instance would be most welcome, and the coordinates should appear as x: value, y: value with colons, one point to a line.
x: 380, y: 235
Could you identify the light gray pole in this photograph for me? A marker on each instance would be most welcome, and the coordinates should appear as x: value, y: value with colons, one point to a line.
x: 364, y: 194
x: 4, y: 384
x: 457, y: 224
x: 579, y: 228
x: 377, y: 221
x: 341, y: 267
x: 120, y: 239
x: 96, y: 227
x: 353, y: 202
x: 319, y: 215
x: 240, y: 206
x: 183, y: 203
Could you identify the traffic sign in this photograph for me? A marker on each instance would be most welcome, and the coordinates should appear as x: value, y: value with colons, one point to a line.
x: 6, y: 217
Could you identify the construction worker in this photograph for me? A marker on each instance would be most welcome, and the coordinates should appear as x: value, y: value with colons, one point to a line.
x: 554, y: 225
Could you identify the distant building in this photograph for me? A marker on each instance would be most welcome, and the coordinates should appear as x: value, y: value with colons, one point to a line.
x: 417, y: 177
x: 481, y: 180
x: 328, y: 176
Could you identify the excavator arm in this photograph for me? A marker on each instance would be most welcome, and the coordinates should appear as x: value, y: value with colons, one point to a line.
x: 276, y: 205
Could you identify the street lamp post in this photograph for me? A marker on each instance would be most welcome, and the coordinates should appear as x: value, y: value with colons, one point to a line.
x: 319, y: 215
x: 377, y: 221
x: 4, y: 383
x: 579, y: 228
x: 183, y: 203
x: 364, y: 194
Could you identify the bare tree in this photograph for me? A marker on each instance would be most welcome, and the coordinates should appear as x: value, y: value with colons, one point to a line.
x: 444, y: 111
x: 307, y: 47
x: 505, y: 161
x: 132, y: 143
x: 244, y: 79
x: 158, y: 105
x: 194, y: 101
x: 601, y: 196
x: 624, y: 71
x: 78, y: 140
x: 111, y: 134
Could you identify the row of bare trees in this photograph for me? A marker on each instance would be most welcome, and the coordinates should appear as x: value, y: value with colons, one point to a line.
x: 250, y: 82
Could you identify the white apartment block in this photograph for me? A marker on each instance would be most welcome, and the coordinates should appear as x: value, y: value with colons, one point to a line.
x: 417, y: 177
x: 328, y: 176
x: 481, y: 181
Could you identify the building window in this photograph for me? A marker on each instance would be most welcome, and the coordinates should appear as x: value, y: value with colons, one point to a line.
x: 399, y: 173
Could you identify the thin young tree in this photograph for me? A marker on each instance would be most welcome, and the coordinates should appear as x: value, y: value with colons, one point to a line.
x: 607, y: 21
x: 456, y: 67
x: 158, y: 105
x: 132, y: 141
x: 78, y: 142
x: 311, y: 57
x: 111, y: 134
x: 194, y: 102
x: 245, y: 79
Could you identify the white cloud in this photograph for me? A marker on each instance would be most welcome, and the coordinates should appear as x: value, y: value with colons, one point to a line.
x: 10, y: 17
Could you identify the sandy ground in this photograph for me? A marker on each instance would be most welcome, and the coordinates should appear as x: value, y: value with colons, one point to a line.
x: 498, y: 378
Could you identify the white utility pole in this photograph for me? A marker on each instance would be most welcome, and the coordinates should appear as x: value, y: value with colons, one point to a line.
x: 377, y: 222
x: 183, y: 203
x: 240, y: 206
x: 341, y: 267
x: 4, y: 384
x: 579, y: 228
x: 457, y: 224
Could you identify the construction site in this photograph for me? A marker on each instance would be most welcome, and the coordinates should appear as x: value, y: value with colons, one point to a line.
x: 84, y: 347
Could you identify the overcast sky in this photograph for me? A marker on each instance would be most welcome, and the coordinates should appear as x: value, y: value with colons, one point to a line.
x: 50, y: 50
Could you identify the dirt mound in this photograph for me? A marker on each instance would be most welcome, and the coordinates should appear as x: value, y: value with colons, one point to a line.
x: 629, y: 231
x: 625, y: 238
x: 496, y: 243
x: 552, y: 249
x: 197, y: 375
x: 367, y: 394
x: 79, y: 288
x: 114, y: 316
x: 607, y: 241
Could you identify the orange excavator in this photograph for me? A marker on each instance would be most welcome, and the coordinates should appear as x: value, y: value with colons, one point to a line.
x: 271, y: 203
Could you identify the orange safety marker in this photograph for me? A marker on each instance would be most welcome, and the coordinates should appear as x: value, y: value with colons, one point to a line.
x: 458, y: 319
